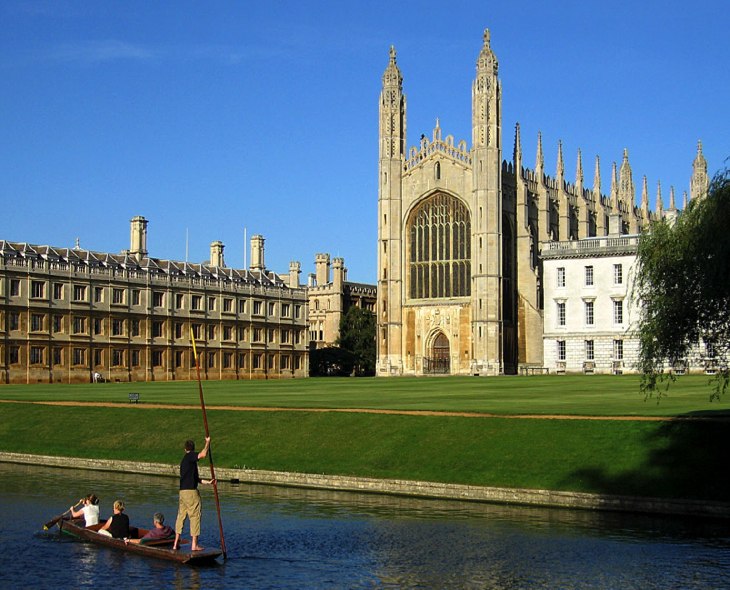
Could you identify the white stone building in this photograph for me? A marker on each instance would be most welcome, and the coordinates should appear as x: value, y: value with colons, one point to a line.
x: 590, y: 314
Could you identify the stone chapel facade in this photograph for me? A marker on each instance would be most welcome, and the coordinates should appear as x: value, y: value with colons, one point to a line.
x: 460, y: 282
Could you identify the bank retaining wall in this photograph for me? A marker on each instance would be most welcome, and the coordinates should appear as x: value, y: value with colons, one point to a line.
x: 424, y: 489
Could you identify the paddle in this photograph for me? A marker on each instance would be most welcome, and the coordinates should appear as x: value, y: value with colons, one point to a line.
x: 210, y: 453
x: 50, y: 523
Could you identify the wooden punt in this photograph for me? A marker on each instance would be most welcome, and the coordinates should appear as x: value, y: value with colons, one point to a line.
x: 162, y: 549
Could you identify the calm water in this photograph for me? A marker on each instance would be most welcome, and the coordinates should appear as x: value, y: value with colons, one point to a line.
x: 288, y: 538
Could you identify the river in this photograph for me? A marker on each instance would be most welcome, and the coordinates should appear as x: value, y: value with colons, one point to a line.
x: 285, y: 538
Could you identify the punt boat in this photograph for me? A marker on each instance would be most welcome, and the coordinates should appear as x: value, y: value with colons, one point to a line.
x: 162, y: 548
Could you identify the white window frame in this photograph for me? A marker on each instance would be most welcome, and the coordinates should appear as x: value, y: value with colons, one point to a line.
x: 618, y: 312
x: 561, y: 350
x: 590, y: 350
x: 590, y: 315
x: 561, y: 313
x: 618, y: 350
x: 618, y: 274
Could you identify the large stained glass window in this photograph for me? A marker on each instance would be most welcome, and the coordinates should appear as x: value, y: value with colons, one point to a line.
x: 440, y: 249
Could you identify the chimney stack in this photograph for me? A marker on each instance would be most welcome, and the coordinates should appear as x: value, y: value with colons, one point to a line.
x: 295, y: 268
x: 138, y: 243
x: 322, y: 264
x: 257, y: 253
x: 216, y: 254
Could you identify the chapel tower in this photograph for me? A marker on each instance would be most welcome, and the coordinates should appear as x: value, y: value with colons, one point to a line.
x: 391, y: 158
x: 440, y: 241
x: 486, y: 267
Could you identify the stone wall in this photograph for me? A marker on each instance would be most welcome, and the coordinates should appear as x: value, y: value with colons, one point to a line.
x: 424, y: 489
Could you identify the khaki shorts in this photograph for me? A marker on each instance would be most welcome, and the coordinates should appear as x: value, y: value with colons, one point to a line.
x: 190, y: 507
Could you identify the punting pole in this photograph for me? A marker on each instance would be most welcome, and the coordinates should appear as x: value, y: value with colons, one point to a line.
x: 210, y: 453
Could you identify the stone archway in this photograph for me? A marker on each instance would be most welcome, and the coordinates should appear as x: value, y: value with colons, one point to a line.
x: 439, y: 359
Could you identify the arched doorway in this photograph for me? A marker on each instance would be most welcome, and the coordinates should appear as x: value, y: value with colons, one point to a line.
x: 439, y: 361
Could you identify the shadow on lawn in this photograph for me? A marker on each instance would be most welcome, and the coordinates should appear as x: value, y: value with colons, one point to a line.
x: 687, y: 460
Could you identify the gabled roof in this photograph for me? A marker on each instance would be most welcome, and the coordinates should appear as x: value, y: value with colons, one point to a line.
x: 154, y: 266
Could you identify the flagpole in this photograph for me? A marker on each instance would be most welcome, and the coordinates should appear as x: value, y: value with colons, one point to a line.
x: 210, y: 453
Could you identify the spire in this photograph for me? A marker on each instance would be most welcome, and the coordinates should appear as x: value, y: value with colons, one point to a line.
x: 437, y: 130
x: 486, y: 100
x: 540, y: 161
x: 518, y: 150
x: 579, y: 175
x: 645, y: 199
x: 392, y: 75
x: 672, y: 213
x: 659, y: 204
x: 487, y: 60
x: 700, y: 182
x: 561, y: 165
x: 392, y: 112
x: 626, y: 190
x: 614, y: 188
x: 684, y: 201
x: 597, y: 182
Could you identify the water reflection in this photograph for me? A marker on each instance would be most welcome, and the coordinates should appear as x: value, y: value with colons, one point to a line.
x: 184, y: 579
x: 294, y: 538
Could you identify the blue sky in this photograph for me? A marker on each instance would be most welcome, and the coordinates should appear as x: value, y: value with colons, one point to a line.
x: 219, y: 117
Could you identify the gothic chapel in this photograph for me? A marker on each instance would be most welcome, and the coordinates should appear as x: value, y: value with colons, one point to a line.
x: 459, y: 231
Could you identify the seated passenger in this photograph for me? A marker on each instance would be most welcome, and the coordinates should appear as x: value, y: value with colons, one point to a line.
x: 160, y: 530
x: 118, y: 525
x: 90, y: 511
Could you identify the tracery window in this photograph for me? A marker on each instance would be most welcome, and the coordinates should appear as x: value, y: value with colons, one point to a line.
x: 439, y: 234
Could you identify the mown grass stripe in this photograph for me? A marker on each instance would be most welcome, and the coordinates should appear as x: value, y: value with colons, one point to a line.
x: 669, y: 459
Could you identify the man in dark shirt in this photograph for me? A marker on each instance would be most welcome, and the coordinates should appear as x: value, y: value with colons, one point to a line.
x: 158, y: 532
x: 190, y: 506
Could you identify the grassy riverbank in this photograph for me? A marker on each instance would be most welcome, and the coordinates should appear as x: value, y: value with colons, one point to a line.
x: 675, y: 459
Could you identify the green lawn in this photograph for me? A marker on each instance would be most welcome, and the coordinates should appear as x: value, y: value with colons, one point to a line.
x: 646, y: 458
x: 594, y: 395
x: 656, y: 459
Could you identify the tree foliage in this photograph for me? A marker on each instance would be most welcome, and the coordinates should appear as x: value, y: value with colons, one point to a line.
x: 683, y: 283
x: 357, y: 335
x: 331, y: 361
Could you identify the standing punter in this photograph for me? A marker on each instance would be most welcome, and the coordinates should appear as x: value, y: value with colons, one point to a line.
x: 190, y: 506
